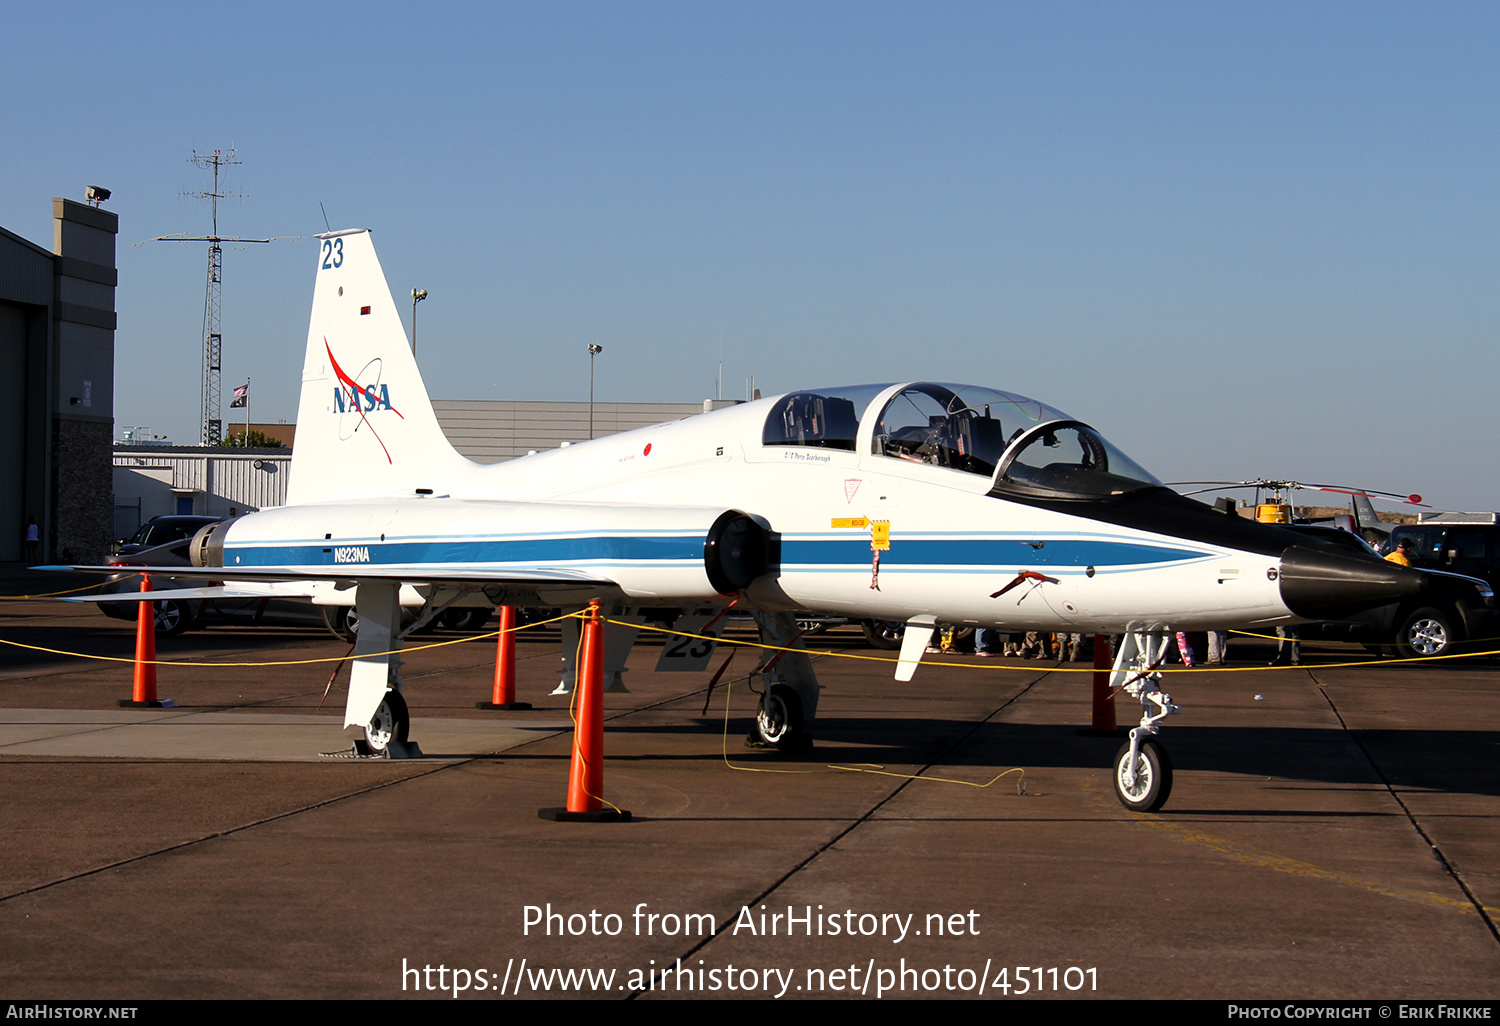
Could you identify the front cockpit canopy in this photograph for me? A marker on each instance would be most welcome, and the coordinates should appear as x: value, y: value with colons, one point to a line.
x: 1067, y: 459
x: 961, y: 427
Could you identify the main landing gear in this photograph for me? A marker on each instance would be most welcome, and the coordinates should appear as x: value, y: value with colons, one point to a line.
x: 1143, y: 771
x: 790, y: 699
x: 375, y: 704
x: 389, y: 725
x: 778, y: 719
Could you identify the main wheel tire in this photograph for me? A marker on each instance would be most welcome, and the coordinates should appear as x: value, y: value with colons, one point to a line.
x: 343, y: 621
x: 390, y: 723
x: 1427, y: 632
x: 778, y: 720
x: 1153, y: 777
x: 466, y: 619
x: 884, y: 634
x: 171, y: 618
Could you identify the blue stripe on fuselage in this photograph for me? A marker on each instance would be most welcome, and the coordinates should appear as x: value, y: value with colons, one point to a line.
x: 472, y: 551
x: 985, y: 552
x: 796, y: 553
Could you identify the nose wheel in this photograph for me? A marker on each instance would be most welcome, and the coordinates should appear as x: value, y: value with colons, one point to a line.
x: 1144, y: 782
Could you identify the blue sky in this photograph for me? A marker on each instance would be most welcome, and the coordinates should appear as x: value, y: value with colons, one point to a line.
x: 1240, y: 239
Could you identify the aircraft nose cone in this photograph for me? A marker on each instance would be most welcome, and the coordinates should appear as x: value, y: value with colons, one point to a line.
x: 1330, y: 584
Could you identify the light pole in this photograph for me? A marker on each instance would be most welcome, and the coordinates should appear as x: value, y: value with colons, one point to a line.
x: 594, y: 350
x: 417, y: 295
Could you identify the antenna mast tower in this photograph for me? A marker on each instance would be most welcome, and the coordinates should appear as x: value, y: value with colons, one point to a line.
x: 212, y: 429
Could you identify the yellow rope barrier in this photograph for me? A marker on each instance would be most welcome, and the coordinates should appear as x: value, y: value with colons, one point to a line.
x: 1059, y: 669
x: 285, y: 662
x: 54, y: 594
x: 820, y: 653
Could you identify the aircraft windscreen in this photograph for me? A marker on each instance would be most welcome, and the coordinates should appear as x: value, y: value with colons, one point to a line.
x: 826, y: 418
x: 960, y: 427
x: 1067, y: 459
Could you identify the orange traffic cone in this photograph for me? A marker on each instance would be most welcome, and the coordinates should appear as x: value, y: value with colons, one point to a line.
x: 1104, y: 703
x: 504, y: 694
x: 143, y: 693
x: 586, y: 770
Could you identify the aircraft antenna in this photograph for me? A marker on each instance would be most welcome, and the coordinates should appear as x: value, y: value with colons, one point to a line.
x: 212, y: 427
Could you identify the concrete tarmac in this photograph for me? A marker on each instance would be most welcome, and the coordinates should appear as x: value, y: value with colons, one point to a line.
x: 1331, y: 832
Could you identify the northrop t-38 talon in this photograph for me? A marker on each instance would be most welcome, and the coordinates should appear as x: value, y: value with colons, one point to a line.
x: 917, y: 502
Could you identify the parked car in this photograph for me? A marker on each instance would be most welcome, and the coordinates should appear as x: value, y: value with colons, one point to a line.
x: 156, y: 542
x: 160, y: 541
x: 1469, y: 549
x: 164, y: 541
x: 1452, y: 611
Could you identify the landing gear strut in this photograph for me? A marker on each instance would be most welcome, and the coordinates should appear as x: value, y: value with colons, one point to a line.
x: 1142, y: 769
x: 375, y: 704
x: 790, y: 699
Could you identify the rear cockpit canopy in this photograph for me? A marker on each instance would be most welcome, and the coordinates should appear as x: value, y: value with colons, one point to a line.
x: 1025, y: 447
x: 827, y: 418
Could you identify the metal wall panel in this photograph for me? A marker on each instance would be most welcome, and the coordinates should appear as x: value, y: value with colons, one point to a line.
x: 13, y: 432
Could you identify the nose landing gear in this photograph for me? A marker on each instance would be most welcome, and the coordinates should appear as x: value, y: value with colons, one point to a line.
x: 1143, y: 778
x: 1142, y: 769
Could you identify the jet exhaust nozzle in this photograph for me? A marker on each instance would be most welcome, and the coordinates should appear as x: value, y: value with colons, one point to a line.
x: 1329, y: 584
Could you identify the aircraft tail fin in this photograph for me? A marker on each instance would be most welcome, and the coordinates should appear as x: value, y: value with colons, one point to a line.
x: 365, y: 426
x: 1364, y: 511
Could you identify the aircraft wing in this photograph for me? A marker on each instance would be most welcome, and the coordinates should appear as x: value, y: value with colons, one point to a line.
x: 229, y: 591
x: 419, y: 574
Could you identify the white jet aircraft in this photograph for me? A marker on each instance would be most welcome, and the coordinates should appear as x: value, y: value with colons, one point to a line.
x: 916, y: 502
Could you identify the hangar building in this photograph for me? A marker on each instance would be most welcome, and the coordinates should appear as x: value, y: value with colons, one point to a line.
x: 57, y: 359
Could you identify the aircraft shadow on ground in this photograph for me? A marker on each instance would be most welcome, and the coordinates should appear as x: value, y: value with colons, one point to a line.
x: 1456, y: 761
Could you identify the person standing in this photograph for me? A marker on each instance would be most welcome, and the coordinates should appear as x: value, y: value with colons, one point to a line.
x: 1218, y: 648
x: 1288, y: 647
x: 33, y: 540
x: 1402, y: 555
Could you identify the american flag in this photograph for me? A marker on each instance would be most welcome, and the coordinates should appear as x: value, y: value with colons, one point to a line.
x: 241, y: 396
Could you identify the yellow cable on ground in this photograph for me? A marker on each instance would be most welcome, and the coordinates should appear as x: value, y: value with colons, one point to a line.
x: 865, y: 767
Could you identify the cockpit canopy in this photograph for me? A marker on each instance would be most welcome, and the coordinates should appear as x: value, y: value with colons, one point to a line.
x: 1067, y: 459
x: 1025, y: 447
x: 961, y: 427
x: 827, y: 418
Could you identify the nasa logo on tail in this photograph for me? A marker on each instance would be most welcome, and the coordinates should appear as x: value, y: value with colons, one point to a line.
x: 355, y: 403
x: 362, y: 400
